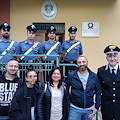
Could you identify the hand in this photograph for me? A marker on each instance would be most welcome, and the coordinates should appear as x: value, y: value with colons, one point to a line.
x: 93, y: 114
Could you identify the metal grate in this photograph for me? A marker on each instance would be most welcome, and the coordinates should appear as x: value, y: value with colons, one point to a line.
x: 44, y: 26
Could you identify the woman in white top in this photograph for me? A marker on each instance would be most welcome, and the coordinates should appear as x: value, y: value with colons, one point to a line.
x: 52, y: 99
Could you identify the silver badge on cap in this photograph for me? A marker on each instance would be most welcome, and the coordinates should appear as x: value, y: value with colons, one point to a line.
x: 73, y: 27
x: 5, y: 24
x: 51, y: 27
x: 33, y: 26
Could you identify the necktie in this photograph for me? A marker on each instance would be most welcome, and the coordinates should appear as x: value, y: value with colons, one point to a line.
x: 113, y: 74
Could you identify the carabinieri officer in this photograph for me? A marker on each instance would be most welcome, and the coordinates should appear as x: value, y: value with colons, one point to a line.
x: 7, y: 46
x: 109, y: 76
x: 51, y: 47
x: 72, y: 48
x: 29, y: 46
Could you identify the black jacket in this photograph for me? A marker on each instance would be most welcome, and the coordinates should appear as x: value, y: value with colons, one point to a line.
x: 21, y: 105
x: 84, y: 98
x: 43, y: 102
x: 7, y: 91
x: 110, y: 92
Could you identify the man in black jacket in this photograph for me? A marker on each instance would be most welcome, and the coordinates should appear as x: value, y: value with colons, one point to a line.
x: 109, y: 77
x: 9, y: 83
x: 83, y: 85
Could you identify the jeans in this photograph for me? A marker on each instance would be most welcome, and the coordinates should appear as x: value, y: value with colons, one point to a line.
x: 76, y: 114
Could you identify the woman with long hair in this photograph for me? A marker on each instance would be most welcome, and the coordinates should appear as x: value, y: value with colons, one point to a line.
x: 52, y: 99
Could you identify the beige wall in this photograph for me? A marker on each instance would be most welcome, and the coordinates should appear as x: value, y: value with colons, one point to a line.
x: 73, y: 12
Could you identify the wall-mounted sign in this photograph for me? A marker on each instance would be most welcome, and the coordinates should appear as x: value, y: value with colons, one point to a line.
x: 90, y: 29
x: 49, y: 10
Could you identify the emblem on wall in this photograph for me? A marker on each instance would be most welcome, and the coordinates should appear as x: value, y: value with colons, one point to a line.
x: 90, y: 29
x: 49, y: 10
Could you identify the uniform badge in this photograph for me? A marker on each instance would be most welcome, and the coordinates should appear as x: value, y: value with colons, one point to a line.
x: 112, y: 47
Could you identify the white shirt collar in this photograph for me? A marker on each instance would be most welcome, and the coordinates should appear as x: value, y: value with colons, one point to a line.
x: 116, y: 67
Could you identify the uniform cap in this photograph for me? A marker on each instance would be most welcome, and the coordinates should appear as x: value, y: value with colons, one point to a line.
x: 5, y: 26
x: 72, y: 29
x: 31, y: 28
x: 51, y: 30
x: 111, y: 50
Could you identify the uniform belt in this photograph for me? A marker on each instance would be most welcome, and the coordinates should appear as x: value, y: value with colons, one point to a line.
x: 29, y: 61
x: 70, y: 61
x: 51, y: 61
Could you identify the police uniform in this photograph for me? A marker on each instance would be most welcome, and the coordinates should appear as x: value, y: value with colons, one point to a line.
x: 47, y: 45
x: 73, y: 54
x: 110, y: 86
x: 24, y: 46
x: 4, y: 45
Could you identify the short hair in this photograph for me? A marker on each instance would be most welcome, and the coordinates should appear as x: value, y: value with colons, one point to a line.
x: 13, y: 59
x: 82, y: 56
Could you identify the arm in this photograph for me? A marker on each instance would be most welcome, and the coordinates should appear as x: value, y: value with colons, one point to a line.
x: 39, y: 104
x: 42, y: 51
x: 91, y: 116
x: 18, y: 50
x: 67, y: 80
x: 81, y: 50
x: 15, y: 112
x: 60, y: 51
x: 98, y: 94
x: 97, y: 98
x: 63, y: 54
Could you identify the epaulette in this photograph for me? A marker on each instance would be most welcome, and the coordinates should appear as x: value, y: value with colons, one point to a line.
x: 21, y: 41
x: 78, y: 41
x: 101, y: 66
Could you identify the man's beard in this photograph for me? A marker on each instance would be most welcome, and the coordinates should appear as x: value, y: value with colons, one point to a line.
x: 72, y: 38
x: 82, y: 68
x: 52, y: 38
x: 6, y: 36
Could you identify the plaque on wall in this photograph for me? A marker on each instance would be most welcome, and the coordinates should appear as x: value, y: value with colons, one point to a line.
x: 49, y: 10
x: 90, y: 29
